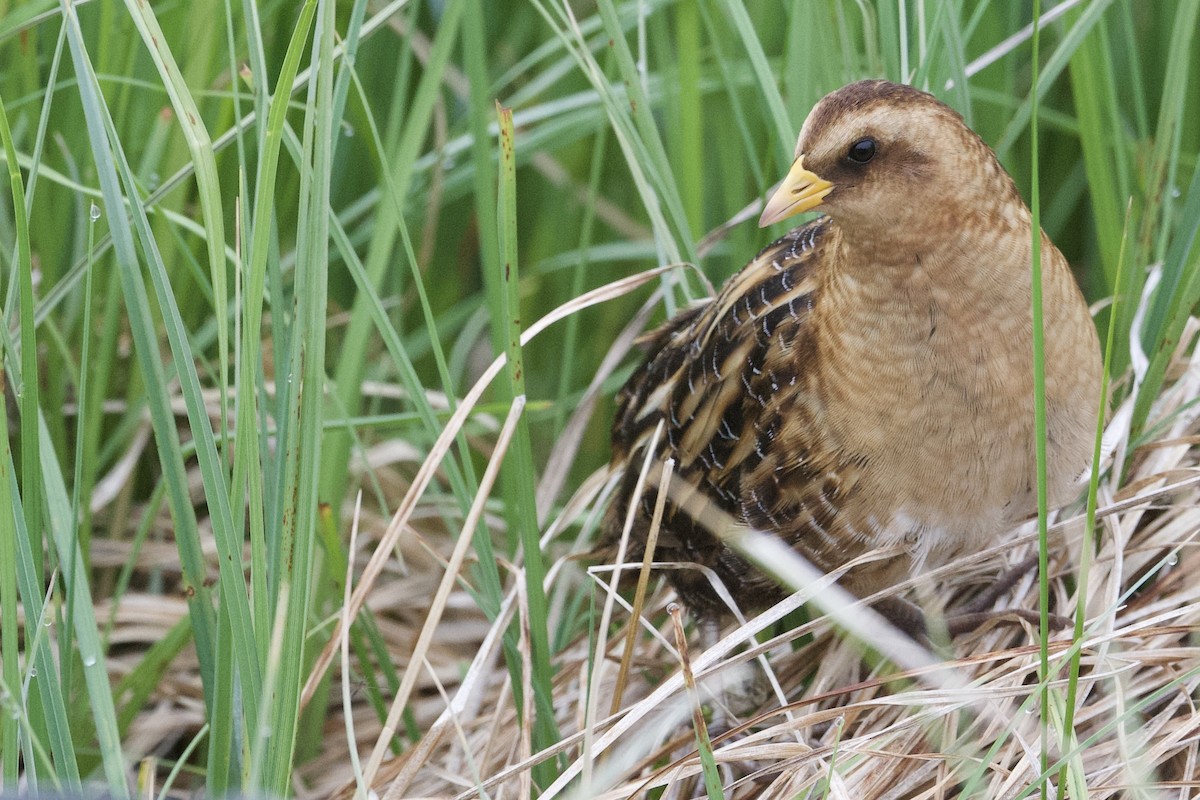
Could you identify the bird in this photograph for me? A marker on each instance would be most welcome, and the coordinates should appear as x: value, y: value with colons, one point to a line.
x: 866, y: 381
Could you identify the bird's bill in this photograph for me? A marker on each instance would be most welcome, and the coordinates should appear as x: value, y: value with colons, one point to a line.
x: 800, y: 191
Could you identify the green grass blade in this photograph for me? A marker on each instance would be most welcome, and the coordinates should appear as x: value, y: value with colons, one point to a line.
x: 1101, y: 138
x: 1039, y: 405
x: 27, y: 389
x: 9, y: 645
x: 784, y: 133
x: 520, y: 506
x: 305, y: 397
x: 248, y: 469
x: 208, y: 184
x: 1171, y: 307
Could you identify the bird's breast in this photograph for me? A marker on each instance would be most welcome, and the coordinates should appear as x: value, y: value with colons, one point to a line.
x: 936, y: 402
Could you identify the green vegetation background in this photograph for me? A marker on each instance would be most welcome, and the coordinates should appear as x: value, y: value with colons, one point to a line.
x: 223, y: 291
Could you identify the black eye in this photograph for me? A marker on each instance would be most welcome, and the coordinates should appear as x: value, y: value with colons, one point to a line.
x: 861, y: 151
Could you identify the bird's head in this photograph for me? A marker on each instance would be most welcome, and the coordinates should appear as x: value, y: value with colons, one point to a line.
x: 879, y: 156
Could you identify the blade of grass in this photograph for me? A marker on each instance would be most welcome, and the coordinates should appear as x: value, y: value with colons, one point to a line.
x: 61, y: 524
x: 520, y: 488
x: 10, y: 729
x: 51, y: 723
x: 1093, y: 91
x: 208, y: 184
x: 1087, y: 545
x: 27, y: 388
x: 30, y: 556
x: 247, y: 471
x: 305, y: 397
x: 1039, y: 403
x: 784, y: 131
x: 10, y: 668
x: 708, y: 764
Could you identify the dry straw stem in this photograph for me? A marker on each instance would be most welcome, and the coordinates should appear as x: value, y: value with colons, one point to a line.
x: 438, y: 606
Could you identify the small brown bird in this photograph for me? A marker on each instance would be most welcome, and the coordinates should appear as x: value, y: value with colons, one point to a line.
x: 867, y: 380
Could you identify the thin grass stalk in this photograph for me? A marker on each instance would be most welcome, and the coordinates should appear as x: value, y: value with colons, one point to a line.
x: 362, y: 789
x: 306, y: 372
x: 310, y: 733
x: 13, y: 707
x: 80, y: 506
x: 571, y: 335
x: 1102, y: 140
x: 1087, y: 545
x: 61, y: 768
x: 1039, y: 401
x: 26, y: 381
x: 639, y: 593
x: 784, y: 133
x: 437, y: 607
x: 364, y: 639
x: 260, y: 739
x: 480, y: 107
x: 208, y: 185
x: 247, y: 464
x: 181, y: 762
x: 521, y: 505
x: 704, y: 748
x: 600, y: 650
x: 61, y: 525
x: 397, y: 167
x: 88, y: 418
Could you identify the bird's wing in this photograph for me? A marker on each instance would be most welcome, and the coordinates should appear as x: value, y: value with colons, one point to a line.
x: 723, y: 378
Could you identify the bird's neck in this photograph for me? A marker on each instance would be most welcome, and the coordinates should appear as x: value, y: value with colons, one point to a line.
x: 916, y: 307
x: 977, y: 258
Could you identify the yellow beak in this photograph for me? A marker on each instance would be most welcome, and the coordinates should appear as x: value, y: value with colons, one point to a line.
x: 800, y: 191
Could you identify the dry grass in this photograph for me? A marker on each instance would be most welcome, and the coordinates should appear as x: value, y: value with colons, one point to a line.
x: 843, y: 723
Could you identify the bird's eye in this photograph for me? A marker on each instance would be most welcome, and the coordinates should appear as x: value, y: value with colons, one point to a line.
x: 861, y: 151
